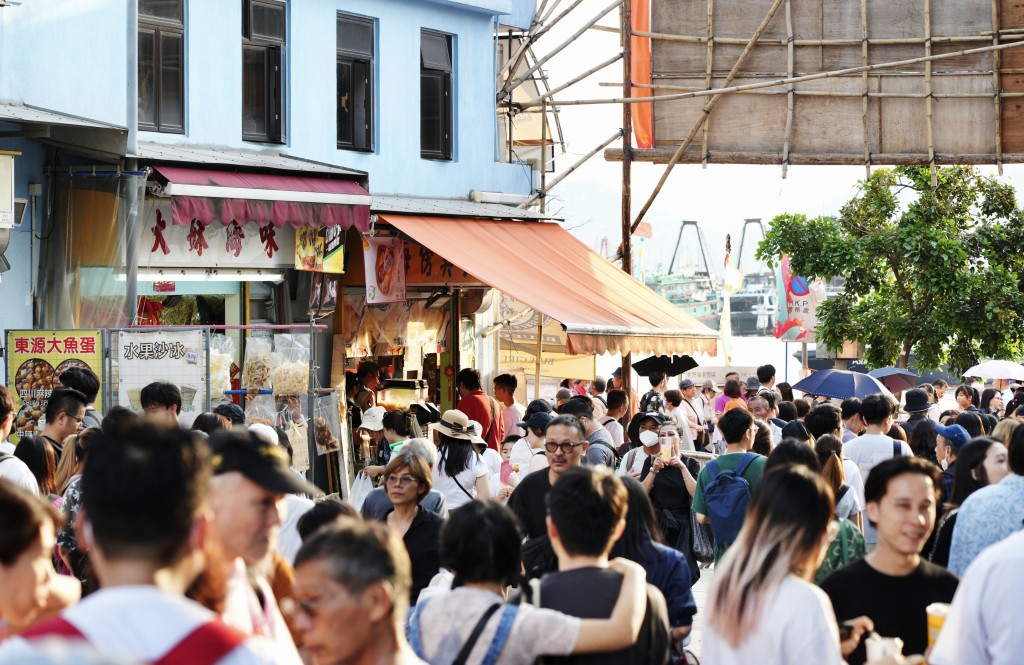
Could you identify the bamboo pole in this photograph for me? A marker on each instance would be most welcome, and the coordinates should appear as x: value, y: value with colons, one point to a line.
x: 835, y: 73
x: 864, y: 87
x: 547, y: 95
x: 997, y: 62
x: 837, y: 93
x: 576, y: 165
x: 626, y: 210
x: 537, y: 65
x: 706, y: 111
x: 877, y: 41
x: 544, y: 157
x: 662, y: 155
x: 535, y: 33
x: 790, y: 97
x: 707, y: 78
x: 929, y: 101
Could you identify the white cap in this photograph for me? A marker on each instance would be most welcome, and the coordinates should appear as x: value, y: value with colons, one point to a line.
x: 266, y: 433
x: 373, y: 419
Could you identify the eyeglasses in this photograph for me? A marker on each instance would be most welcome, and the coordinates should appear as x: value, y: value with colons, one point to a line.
x: 566, y: 448
x: 668, y: 435
x: 76, y: 418
x: 400, y: 481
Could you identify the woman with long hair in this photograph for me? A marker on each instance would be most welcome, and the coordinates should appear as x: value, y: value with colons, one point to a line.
x: 922, y: 440
x: 982, y: 461
x: 829, y: 449
x: 992, y: 402
x: 785, y: 390
x: 460, y: 473
x: 69, y: 486
x: 1004, y: 431
x: 762, y: 605
x: 667, y: 568
x: 38, y: 456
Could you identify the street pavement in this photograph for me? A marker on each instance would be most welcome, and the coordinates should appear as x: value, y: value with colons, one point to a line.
x: 700, y: 595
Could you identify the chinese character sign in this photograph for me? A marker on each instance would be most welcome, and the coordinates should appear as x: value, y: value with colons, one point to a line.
x: 796, y: 313
x: 384, y: 260
x: 35, y: 361
x: 177, y: 357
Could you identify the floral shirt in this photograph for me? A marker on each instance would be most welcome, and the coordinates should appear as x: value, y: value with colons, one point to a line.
x: 986, y: 517
x: 71, y: 503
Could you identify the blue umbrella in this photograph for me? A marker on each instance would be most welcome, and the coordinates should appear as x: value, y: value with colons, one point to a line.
x: 840, y: 384
x: 895, y: 378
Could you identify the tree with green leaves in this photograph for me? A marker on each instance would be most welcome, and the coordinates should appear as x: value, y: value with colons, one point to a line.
x: 933, y: 271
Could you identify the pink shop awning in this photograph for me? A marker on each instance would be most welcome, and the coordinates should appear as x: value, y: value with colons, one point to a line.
x: 208, y: 195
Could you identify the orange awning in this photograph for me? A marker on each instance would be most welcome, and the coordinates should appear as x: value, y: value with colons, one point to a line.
x: 602, y: 309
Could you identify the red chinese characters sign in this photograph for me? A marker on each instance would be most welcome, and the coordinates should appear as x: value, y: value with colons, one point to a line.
x: 36, y: 359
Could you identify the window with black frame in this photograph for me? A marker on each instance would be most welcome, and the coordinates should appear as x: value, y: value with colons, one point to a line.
x: 161, y: 66
x: 435, y: 95
x: 355, y: 82
x: 263, y: 79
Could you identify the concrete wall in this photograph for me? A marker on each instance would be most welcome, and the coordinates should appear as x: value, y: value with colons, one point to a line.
x: 69, y: 56
x: 16, y: 311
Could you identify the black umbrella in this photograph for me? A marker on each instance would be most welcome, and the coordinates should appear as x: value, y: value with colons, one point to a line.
x: 671, y: 365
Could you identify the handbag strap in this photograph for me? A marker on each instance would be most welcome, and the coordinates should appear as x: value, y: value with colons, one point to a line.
x: 440, y: 464
x: 463, y: 656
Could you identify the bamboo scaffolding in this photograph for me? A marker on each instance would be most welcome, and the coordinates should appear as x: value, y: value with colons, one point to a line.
x: 535, y: 33
x: 708, y: 80
x: 877, y: 41
x: 578, y: 163
x: 929, y: 100
x: 797, y: 79
x: 997, y: 86
x: 864, y: 87
x: 790, y: 97
x: 705, y: 113
x: 537, y: 65
x: 547, y: 87
x: 661, y: 155
x: 626, y: 203
x: 835, y: 93
x: 547, y: 95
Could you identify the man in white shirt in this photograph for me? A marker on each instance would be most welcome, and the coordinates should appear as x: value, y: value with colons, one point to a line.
x: 983, y: 625
x: 874, y: 445
x: 251, y: 479
x: 12, y: 468
x: 760, y: 410
x: 505, y: 386
x: 618, y: 406
x: 143, y: 498
x: 528, y: 452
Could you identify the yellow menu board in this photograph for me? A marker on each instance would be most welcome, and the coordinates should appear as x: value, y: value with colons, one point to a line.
x: 35, y: 361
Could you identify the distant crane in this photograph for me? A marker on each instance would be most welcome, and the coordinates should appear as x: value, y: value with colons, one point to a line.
x: 743, y: 238
x: 702, y: 242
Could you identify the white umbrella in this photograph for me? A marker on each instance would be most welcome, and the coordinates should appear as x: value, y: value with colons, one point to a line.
x: 997, y: 369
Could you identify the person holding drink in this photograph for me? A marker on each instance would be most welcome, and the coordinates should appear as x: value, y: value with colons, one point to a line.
x: 670, y: 481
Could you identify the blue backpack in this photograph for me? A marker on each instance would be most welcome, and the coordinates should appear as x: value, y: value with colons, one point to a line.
x: 726, y: 497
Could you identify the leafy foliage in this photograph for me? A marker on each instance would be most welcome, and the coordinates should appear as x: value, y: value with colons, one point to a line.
x: 937, y: 271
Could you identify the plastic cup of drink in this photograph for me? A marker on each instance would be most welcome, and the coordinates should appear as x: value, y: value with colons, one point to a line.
x: 937, y: 613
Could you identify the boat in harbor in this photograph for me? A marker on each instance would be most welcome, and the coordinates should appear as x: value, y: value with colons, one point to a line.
x: 692, y: 288
x: 754, y: 306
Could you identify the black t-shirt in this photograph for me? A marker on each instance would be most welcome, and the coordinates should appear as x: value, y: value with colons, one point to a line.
x: 527, y: 502
x: 896, y: 605
x: 590, y: 593
x: 423, y: 543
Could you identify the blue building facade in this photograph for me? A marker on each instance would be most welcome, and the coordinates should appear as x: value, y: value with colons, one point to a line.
x: 111, y: 81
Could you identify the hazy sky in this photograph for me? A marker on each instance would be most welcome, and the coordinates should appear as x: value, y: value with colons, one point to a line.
x: 719, y: 197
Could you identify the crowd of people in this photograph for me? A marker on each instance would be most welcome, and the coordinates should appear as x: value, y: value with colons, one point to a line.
x: 571, y: 530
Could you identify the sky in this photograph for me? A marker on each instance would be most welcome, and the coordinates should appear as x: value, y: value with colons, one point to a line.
x: 719, y: 197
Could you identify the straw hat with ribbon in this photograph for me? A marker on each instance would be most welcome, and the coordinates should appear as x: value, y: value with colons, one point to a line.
x: 456, y: 424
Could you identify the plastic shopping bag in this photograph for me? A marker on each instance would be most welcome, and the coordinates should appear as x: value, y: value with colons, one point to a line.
x: 360, y: 489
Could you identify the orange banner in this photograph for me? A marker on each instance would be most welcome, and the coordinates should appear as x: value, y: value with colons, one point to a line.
x: 640, y: 72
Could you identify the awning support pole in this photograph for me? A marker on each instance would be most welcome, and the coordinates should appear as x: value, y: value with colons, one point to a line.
x: 627, y: 168
x: 540, y: 350
x: 131, y: 248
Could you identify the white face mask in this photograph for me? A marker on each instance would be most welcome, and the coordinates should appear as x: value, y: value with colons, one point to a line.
x: 648, y: 438
x: 944, y: 464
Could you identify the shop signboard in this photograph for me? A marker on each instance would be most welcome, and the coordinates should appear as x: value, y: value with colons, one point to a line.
x: 552, y: 365
x: 320, y: 249
x: 384, y: 269
x: 178, y: 357
x: 423, y: 267
x: 235, y: 245
x: 35, y: 361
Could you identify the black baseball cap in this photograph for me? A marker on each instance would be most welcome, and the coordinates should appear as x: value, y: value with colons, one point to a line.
x: 232, y: 412
x: 261, y: 462
x: 538, y: 420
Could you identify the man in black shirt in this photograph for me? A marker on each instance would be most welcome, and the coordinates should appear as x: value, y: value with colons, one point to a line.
x: 588, y: 512
x: 893, y: 585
